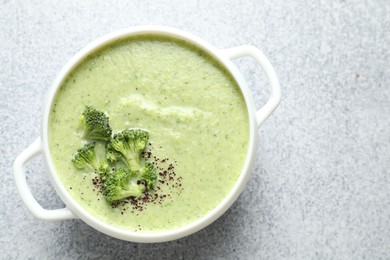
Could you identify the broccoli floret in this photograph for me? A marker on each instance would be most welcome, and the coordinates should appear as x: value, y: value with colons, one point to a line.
x: 148, y: 174
x: 95, y: 125
x: 112, y: 155
x: 130, y: 143
x: 119, y: 185
x: 85, y: 158
x: 124, y: 183
x: 103, y: 169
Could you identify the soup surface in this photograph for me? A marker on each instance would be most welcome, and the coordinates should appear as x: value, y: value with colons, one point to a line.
x: 192, y: 108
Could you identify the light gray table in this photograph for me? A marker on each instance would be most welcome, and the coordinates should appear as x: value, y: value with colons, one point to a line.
x: 321, y: 185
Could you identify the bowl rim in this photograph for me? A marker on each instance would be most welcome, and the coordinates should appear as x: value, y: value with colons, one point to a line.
x: 164, y: 235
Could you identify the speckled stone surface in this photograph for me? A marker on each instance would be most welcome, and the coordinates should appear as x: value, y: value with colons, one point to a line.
x: 320, y: 188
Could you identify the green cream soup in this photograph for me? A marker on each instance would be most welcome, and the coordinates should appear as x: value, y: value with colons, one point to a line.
x: 195, y: 114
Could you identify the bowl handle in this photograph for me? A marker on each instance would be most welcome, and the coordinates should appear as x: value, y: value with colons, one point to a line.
x: 246, y: 50
x: 21, y: 184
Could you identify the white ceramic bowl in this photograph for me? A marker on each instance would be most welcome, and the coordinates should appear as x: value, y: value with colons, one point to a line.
x: 74, y: 211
